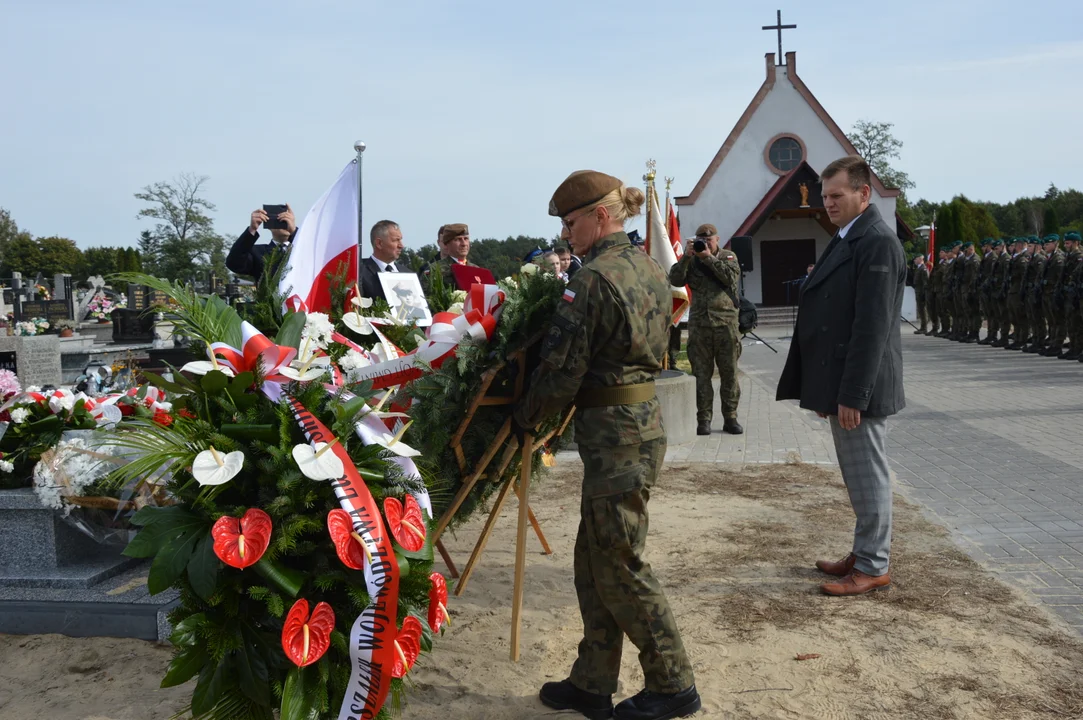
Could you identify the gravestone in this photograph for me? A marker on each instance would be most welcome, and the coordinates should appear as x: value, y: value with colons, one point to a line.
x: 36, y: 358
x: 132, y: 326
x: 96, y: 283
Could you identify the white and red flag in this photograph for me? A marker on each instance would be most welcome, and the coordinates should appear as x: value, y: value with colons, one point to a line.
x: 665, y: 252
x: 326, y: 244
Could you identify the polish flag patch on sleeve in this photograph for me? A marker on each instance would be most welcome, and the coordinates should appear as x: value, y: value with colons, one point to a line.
x: 569, y: 296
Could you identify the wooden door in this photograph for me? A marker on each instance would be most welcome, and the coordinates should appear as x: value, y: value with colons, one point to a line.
x: 780, y: 262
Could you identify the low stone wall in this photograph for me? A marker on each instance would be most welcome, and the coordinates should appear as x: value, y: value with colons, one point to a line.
x: 677, y: 395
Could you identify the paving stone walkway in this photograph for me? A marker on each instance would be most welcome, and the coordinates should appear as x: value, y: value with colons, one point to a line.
x: 990, y: 444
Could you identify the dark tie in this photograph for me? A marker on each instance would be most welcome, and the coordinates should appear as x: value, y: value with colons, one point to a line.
x: 390, y: 268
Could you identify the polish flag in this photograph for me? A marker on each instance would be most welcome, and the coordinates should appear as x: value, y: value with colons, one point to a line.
x: 326, y: 244
x: 664, y: 251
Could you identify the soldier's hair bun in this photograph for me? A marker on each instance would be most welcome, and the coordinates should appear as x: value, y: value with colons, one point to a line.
x: 633, y: 199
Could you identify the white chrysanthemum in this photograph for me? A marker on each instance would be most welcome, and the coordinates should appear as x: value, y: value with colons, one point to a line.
x: 529, y: 269
x: 19, y: 415
x: 458, y: 296
x: 353, y: 360
x: 318, y: 327
x: 456, y: 308
x: 7, y: 466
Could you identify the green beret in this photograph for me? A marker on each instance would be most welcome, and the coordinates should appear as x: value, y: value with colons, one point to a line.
x: 968, y: 244
x: 706, y: 230
x: 1051, y: 237
x: 996, y: 243
x: 987, y: 241
x: 581, y: 188
x: 1073, y: 236
x: 1033, y: 239
x: 957, y: 243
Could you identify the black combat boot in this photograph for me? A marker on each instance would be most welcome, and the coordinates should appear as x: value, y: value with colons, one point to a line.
x: 703, y: 428
x: 649, y: 705
x: 1071, y: 355
x: 934, y: 332
x: 970, y: 338
x: 565, y: 696
x: 732, y: 427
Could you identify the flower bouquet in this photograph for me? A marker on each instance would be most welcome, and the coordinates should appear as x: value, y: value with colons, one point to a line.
x: 31, y: 327
x: 299, y: 537
x: 100, y: 307
x: 43, y: 292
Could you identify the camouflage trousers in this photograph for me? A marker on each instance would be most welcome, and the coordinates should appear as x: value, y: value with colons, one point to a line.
x: 923, y: 318
x: 1036, y: 319
x: 709, y: 347
x: 1075, y: 328
x: 961, y: 313
x: 1017, y: 308
x: 1054, y: 321
x: 674, y: 347
x: 933, y: 308
x: 985, y: 311
x: 618, y: 594
x: 944, y: 302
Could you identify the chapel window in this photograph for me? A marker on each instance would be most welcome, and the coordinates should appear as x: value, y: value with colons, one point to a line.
x: 785, y: 154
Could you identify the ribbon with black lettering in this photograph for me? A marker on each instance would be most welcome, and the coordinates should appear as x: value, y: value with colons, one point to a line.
x: 372, y: 638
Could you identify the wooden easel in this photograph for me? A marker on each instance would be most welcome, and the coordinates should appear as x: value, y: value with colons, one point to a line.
x: 522, y: 487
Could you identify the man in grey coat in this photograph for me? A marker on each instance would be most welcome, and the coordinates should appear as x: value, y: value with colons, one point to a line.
x: 845, y: 363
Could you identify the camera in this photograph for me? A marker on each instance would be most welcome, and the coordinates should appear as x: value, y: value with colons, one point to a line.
x: 273, y: 223
x: 699, y: 245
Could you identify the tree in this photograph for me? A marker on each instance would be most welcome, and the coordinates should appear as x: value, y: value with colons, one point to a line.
x: 101, y: 261
x: 60, y: 255
x: 186, y: 241
x: 1049, y: 220
x: 875, y: 142
x: 9, y: 231
x: 22, y: 255
x: 150, y: 249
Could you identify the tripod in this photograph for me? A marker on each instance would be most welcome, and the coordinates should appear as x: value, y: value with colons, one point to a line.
x: 790, y: 285
x: 749, y: 332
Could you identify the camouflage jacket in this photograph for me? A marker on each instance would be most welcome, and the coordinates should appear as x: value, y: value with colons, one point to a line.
x: 936, y: 278
x: 444, y: 268
x: 611, y: 328
x: 1017, y: 274
x: 947, y: 279
x: 971, y: 273
x: 713, y: 283
x: 999, y: 279
x: 1032, y: 290
x: 1073, y: 275
x: 958, y: 276
x: 985, y: 277
x: 921, y: 280
x: 1054, y: 273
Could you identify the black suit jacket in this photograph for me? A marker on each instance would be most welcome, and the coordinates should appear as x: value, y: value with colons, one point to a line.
x: 847, y: 343
x: 370, y: 283
x: 247, y: 258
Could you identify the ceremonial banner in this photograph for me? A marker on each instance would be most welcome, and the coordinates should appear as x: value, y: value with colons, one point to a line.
x: 661, y: 248
x: 325, y: 243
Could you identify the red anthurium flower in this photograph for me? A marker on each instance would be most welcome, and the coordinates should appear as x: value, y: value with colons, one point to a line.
x: 438, y: 602
x: 240, y: 543
x: 407, y: 646
x: 406, y: 523
x: 305, y: 639
x: 351, y: 549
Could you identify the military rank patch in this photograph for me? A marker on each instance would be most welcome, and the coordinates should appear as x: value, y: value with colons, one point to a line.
x: 569, y: 296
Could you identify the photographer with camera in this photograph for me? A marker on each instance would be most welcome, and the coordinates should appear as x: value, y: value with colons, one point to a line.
x: 713, y: 275
x: 247, y: 258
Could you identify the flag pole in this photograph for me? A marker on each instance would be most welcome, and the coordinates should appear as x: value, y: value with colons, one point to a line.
x: 649, y: 179
x: 360, y: 148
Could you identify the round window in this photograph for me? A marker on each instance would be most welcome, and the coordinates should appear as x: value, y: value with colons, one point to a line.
x: 785, y: 154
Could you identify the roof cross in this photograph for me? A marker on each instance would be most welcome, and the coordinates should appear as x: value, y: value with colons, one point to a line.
x: 779, y: 27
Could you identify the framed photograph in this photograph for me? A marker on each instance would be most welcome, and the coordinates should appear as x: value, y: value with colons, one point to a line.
x: 404, y: 289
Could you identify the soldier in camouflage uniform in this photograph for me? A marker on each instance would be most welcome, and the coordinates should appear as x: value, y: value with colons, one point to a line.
x: 1000, y: 324
x: 603, y: 351
x: 1053, y: 295
x: 985, y: 295
x: 932, y: 303
x: 1035, y: 273
x: 946, y: 297
x: 1073, y: 314
x: 960, y: 315
x: 1017, y: 294
x: 454, y: 240
x: 921, y: 293
x: 713, y: 276
x: 971, y: 272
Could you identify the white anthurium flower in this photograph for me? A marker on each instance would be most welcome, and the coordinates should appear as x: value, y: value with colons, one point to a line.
x: 394, y: 442
x: 214, y: 468
x: 378, y: 410
x: 318, y: 463
x: 202, y: 367
x: 311, y: 369
x: 357, y: 322
x: 361, y: 302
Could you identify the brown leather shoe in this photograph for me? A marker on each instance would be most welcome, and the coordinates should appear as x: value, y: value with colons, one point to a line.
x: 840, y: 568
x: 856, y: 583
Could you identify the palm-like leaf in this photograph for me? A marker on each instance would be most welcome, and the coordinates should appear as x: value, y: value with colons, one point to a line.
x: 160, y: 452
x: 205, y: 317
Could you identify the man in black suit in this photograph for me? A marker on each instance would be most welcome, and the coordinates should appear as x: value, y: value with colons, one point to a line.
x: 387, y: 246
x: 247, y: 258
x: 845, y: 363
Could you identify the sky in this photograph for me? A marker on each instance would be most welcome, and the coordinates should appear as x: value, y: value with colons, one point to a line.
x: 475, y: 111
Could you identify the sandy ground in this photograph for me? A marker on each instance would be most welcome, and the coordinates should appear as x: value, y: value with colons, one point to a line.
x: 735, y: 552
